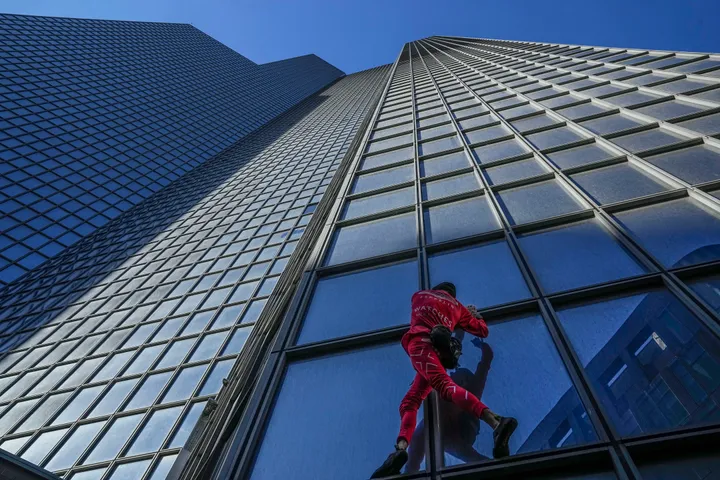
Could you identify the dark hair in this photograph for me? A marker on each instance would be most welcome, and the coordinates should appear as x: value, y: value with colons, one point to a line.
x: 446, y: 287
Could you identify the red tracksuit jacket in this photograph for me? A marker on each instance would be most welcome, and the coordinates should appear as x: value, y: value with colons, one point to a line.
x: 437, y: 307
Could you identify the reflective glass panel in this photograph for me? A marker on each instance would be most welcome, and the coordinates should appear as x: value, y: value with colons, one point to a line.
x: 154, y: 431
x: 707, y: 125
x: 709, y: 290
x: 74, y: 446
x: 610, y: 123
x: 437, y: 146
x: 618, y: 182
x: 383, y: 178
x: 638, y: 142
x: 359, y: 302
x: 582, y: 155
x: 113, y: 439
x: 689, y: 467
x: 459, y: 219
x: 576, y: 256
x: 652, y: 363
x: 697, y: 164
x: 309, y: 402
x: 678, y: 233
x: 443, y: 164
x: 499, y: 150
x: 517, y: 170
x: 554, y: 137
x: 435, y: 189
x: 471, y: 269
x: 374, y: 238
x: 504, y: 372
x: 536, y: 202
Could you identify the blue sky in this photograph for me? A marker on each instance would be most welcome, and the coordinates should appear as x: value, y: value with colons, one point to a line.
x: 358, y: 34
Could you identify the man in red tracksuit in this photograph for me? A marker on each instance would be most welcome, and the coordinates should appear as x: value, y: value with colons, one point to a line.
x: 435, y: 314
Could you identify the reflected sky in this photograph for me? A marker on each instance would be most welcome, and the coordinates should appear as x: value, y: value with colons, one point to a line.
x: 336, y: 416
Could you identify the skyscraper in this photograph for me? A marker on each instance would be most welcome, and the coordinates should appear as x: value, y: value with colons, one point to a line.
x: 243, y: 320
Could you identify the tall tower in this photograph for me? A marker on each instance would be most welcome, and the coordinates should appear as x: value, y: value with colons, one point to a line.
x: 571, y: 194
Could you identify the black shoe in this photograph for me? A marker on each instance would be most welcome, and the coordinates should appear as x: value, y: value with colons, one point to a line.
x: 392, y: 465
x: 501, y: 435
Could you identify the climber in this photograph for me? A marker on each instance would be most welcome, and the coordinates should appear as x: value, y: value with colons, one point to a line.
x: 432, y: 349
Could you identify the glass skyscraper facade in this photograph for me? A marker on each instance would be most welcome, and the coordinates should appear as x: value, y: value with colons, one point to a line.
x: 99, y: 115
x: 236, y: 312
x: 571, y: 193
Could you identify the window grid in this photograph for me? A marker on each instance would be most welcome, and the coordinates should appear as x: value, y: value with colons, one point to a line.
x: 441, y: 65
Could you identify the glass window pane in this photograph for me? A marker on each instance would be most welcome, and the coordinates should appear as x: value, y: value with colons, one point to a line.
x: 176, y: 353
x: 618, y: 182
x: 638, y: 142
x: 478, y: 121
x: 383, y: 178
x: 43, y: 411
x: 499, y: 150
x: 554, y: 137
x: 146, y: 394
x: 42, y: 445
x: 130, y: 471
x: 94, y: 474
x: 113, y: 398
x: 450, y: 186
x: 509, y: 172
x: 436, y: 146
x: 374, y: 238
x: 208, y: 346
x: 653, y: 365
x: 707, y: 125
x: 186, y: 425
x: 709, y: 290
x: 15, y: 444
x: 185, y: 383
x: 425, y: 122
x: 678, y: 233
x: 504, y: 373
x: 391, y: 131
x: 113, y: 439
x: 378, y: 203
x: 153, y: 433
x: 702, y: 466
x: 631, y: 98
x: 670, y: 109
x: 487, y: 133
x: 378, y: 145
x: 610, y: 123
x: 582, y: 155
x: 74, y: 446
x: 470, y: 268
x: 443, y: 164
x: 213, y: 382
x: 162, y: 468
x: 576, y: 256
x: 459, y: 219
x: 582, y: 110
x: 530, y: 123
x: 697, y: 164
x: 144, y: 360
x: 237, y: 341
x: 370, y: 300
x: 558, y: 101
x: 536, y: 202
x: 78, y: 405
x: 309, y: 402
x: 436, y: 131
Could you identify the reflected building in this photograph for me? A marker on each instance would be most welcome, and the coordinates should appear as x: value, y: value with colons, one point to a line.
x: 206, y: 261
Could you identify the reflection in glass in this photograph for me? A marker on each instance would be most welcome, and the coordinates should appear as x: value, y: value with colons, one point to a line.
x: 360, y: 302
x: 537, y: 201
x: 576, y: 256
x: 364, y: 410
x: 709, y: 290
x: 74, y: 446
x: 652, y: 363
x: 473, y: 271
x: 678, y: 233
x: 459, y: 219
x: 374, y: 238
x: 618, y: 182
x: 504, y: 372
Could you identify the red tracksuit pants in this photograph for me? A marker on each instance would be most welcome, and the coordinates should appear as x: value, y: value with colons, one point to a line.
x: 430, y: 375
